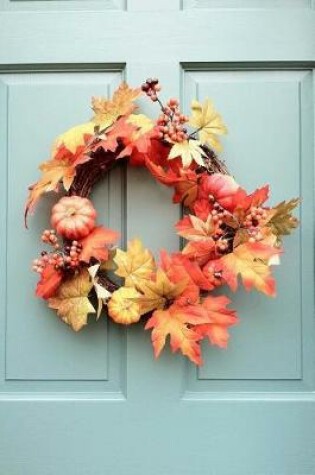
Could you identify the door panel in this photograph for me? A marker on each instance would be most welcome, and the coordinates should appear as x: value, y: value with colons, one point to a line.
x: 38, y: 108
x: 97, y: 402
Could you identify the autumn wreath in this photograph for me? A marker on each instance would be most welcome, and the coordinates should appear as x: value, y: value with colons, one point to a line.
x: 228, y: 233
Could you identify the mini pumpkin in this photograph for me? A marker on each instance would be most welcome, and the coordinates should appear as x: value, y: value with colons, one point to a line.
x: 73, y: 217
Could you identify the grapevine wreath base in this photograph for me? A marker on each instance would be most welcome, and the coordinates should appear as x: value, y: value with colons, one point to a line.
x: 229, y: 234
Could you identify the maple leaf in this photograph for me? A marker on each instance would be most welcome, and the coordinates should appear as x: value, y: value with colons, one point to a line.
x: 142, y: 123
x: 156, y: 292
x: 96, y: 244
x: 220, y: 319
x: 176, y: 322
x: 188, y: 151
x: 49, y: 282
x: 59, y: 169
x: 208, y: 123
x: 74, y: 137
x: 250, y: 261
x: 136, y: 264
x: 195, y: 229
x: 124, y: 307
x: 185, y: 183
x: 199, y: 232
x: 180, y: 269
x: 107, y: 111
x: 281, y: 220
x: 71, y: 300
x: 108, y: 140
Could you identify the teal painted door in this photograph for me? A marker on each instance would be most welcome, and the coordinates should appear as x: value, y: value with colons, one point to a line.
x: 96, y: 402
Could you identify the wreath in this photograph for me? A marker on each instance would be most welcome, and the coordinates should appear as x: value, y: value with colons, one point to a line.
x: 229, y: 235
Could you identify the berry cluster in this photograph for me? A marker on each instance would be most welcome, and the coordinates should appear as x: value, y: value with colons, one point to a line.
x: 67, y: 259
x: 170, y: 124
x: 253, y: 221
x: 151, y: 87
x: 49, y: 237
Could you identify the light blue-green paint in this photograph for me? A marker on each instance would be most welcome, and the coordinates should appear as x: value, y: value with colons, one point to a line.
x: 97, y: 402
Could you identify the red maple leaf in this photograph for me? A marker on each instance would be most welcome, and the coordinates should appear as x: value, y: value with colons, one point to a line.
x: 221, y: 319
x: 49, y: 282
x: 96, y: 244
x: 185, y: 182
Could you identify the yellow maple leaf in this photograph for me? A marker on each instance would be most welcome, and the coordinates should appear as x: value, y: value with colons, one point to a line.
x: 123, y: 306
x: 208, y: 123
x: 71, y: 300
x: 143, y: 124
x: 157, y: 291
x: 136, y: 264
x: 73, y: 137
x: 188, y: 151
x: 107, y: 111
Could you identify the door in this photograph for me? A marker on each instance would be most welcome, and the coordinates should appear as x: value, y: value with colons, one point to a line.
x: 97, y: 402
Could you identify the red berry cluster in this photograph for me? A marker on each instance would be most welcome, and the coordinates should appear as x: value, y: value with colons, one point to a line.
x: 170, y: 124
x: 221, y: 234
x: 151, y: 87
x: 253, y: 221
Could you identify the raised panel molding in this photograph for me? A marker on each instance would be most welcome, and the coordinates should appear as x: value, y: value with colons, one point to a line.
x: 247, y: 4
x: 278, y: 334
x: 76, y: 5
x: 40, y: 352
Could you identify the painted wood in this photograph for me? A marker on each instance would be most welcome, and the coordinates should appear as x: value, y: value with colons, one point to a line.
x: 98, y: 402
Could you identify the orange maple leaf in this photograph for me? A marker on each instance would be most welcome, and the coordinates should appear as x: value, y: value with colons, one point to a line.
x: 185, y: 182
x: 176, y: 322
x: 60, y: 169
x: 109, y: 140
x: 49, y: 282
x: 220, y: 319
x: 251, y: 262
x: 96, y: 244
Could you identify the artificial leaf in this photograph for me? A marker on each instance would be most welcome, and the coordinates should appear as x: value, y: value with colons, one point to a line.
x: 156, y: 292
x: 188, y: 151
x: 199, y: 232
x: 220, y: 319
x: 107, y: 111
x: 185, y: 183
x: 195, y: 229
x: 208, y: 123
x: 136, y: 264
x: 124, y: 307
x: 61, y: 168
x: 282, y: 222
x: 96, y: 244
x: 142, y: 123
x: 74, y: 137
x: 200, y: 251
x: 109, y: 140
x: 71, y: 300
x: 251, y: 262
x: 177, y: 322
x: 49, y: 282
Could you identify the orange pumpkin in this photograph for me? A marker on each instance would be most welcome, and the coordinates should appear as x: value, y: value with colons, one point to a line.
x: 73, y: 217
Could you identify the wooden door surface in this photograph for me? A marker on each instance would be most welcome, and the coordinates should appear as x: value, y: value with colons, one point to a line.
x: 97, y: 402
